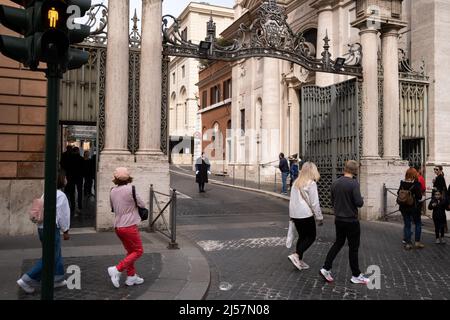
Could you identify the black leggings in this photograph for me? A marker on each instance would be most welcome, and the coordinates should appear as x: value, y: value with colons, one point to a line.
x: 201, y: 186
x: 306, y: 229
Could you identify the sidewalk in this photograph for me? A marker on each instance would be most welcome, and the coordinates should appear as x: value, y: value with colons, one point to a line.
x: 169, y: 274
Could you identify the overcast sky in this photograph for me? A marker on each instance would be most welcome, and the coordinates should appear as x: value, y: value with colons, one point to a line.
x: 172, y: 7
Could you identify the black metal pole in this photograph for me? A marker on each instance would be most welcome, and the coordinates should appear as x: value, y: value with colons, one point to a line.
x: 150, y: 219
x: 48, y: 245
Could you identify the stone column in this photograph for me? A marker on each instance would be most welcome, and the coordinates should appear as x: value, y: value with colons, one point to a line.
x: 295, y: 119
x: 117, y: 67
x: 369, y: 42
x: 150, y: 79
x: 391, y: 97
x: 271, y: 111
x: 325, y: 27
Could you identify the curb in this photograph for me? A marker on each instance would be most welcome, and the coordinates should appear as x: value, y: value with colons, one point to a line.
x: 185, y: 273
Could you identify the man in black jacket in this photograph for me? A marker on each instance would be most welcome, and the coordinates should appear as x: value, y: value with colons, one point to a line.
x: 284, y: 168
x: 346, y: 199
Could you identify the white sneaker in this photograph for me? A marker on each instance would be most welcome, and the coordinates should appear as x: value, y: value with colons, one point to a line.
x: 115, y: 276
x: 295, y: 261
x: 327, y: 275
x: 25, y: 286
x: 360, y: 280
x: 134, y: 280
x: 303, y: 265
x: 60, y: 284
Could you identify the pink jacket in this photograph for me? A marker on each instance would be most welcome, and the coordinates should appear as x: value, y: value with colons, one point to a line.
x: 124, y: 207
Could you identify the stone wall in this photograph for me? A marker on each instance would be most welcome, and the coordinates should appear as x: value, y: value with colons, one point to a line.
x: 16, y: 197
x: 145, y: 171
x: 373, y: 174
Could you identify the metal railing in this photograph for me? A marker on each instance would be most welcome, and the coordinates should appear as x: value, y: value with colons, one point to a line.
x: 170, y: 229
x: 393, y: 192
x: 250, y: 175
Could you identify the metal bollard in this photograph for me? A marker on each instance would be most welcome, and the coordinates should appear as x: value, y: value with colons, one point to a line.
x: 384, y: 202
x: 259, y: 177
x: 234, y: 174
x: 173, y: 222
x: 275, y: 182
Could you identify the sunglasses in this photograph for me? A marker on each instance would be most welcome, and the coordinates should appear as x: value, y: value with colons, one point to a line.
x: 436, y: 169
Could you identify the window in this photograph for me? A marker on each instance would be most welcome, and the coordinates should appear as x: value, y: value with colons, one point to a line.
x: 243, y: 122
x: 183, y: 71
x: 204, y: 102
x: 184, y: 34
x: 227, y: 89
x: 215, y: 94
x: 173, y: 77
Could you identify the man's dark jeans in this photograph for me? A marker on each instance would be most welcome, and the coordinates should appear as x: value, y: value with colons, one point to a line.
x: 350, y: 231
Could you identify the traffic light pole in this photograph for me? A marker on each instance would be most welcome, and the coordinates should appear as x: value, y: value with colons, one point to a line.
x: 54, y: 75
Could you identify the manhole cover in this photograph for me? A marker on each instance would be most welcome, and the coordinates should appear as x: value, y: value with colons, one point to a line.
x: 225, y: 286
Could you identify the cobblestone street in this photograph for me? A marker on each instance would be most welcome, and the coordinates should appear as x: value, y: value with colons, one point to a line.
x: 248, y: 257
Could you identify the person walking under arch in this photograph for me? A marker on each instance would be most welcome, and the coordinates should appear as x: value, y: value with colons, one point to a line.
x: 409, y: 196
x: 202, y: 167
x: 127, y: 219
x: 346, y: 198
x: 304, y: 206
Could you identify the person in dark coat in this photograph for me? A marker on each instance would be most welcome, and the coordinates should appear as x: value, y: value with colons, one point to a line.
x: 439, y: 183
x: 438, y: 205
x: 75, y: 180
x: 412, y: 213
x: 88, y: 173
x: 202, y: 167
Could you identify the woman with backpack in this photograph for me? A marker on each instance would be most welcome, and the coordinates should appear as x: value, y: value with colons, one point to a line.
x: 409, y: 196
x: 32, y: 278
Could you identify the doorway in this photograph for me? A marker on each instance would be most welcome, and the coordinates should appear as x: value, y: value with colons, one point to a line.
x: 78, y: 158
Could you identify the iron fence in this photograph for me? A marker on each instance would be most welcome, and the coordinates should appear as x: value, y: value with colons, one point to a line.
x: 169, y: 229
x: 393, y: 192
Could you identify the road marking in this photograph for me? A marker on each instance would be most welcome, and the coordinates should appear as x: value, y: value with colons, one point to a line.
x: 182, y: 195
x: 254, y: 243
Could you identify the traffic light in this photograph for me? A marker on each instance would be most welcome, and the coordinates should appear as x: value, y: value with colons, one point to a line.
x: 48, y: 30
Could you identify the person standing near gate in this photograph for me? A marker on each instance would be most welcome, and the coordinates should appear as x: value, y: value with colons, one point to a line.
x: 346, y: 198
x: 202, y: 167
x: 284, y: 168
x: 409, y: 196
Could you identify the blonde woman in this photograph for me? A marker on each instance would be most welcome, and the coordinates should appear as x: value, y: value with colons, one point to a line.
x: 303, y: 207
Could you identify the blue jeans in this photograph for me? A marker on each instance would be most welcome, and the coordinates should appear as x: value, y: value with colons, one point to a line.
x: 408, y: 219
x: 34, y: 275
x: 284, y: 176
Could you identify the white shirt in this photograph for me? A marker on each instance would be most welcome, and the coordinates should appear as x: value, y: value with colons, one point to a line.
x: 62, y: 212
x: 299, y: 209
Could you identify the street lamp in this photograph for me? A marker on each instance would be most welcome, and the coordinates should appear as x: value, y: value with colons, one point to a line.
x: 339, y: 63
x: 204, y: 47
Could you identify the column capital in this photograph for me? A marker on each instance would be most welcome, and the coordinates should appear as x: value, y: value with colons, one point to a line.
x: 322, y: 5
x: 367, y: 30
x: 390, y: 30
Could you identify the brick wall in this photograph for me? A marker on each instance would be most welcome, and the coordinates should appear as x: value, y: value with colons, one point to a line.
x: 22, y: 118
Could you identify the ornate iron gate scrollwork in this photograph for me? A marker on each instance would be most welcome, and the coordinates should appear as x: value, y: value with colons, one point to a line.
x: 331, y: 130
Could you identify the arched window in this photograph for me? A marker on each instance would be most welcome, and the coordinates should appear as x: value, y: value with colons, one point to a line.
x: 310, y: 36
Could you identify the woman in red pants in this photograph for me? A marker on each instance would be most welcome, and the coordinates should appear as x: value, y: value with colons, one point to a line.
x: 126, y: 226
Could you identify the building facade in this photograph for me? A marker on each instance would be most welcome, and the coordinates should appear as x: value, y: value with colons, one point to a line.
x: 215, y: 87
x: 184, y: 96
x: 403, y: 113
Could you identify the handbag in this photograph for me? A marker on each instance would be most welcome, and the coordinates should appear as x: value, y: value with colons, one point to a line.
x: 290, y: 235
x: 143, y: 212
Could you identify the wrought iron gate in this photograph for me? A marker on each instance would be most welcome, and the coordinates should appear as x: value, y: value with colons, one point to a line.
x: 83, y: 90
x: 330, y: 130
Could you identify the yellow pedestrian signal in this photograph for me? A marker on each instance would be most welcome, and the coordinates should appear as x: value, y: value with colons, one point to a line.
x: 53, y: 17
